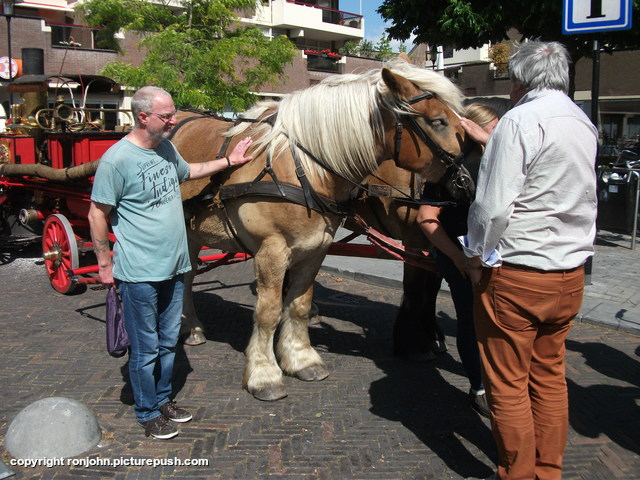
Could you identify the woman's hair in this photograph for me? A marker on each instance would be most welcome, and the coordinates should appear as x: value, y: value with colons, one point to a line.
x: 482, y: 110
x: 537, y: 64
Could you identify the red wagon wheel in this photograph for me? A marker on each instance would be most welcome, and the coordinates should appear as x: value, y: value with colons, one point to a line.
x: 60, y: 252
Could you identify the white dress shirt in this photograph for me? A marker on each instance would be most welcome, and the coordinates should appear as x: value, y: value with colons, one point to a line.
x: 536, y: 197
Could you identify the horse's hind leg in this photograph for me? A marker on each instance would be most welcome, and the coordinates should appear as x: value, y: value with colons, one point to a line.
x: 191, y: 329
x: 262, y: 375
x: 295, y: 353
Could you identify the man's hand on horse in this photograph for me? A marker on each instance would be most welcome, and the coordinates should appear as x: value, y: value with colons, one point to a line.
x: 237, y: 156
x: 475, y: 131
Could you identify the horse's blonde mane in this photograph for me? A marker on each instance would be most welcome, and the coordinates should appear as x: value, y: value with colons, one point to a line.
x: 339, y: 120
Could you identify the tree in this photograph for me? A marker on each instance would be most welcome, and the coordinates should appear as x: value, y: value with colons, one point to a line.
x: 383, y: 49
x: 350, y: 48
x: 380, y: 51
x: 201, y: 55
x: 469, y: 24
x: 499, y: 55
x: 366, y: 49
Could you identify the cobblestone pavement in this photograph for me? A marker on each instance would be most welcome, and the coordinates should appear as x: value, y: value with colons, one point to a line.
x: 375, y: 417
x: 613, y: 297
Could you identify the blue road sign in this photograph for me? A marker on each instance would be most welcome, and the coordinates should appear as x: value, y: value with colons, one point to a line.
x: 587, y: 16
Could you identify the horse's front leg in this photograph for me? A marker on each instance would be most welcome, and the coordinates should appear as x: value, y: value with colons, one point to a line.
x: 262, y: 375
x: 295, y: 353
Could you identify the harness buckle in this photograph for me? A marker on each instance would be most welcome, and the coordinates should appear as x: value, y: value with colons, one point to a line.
x: 300, y: 172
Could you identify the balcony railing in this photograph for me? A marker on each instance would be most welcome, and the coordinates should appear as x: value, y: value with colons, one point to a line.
x: 325, y: 61
x: 337, y: 17
x: 81, y: 37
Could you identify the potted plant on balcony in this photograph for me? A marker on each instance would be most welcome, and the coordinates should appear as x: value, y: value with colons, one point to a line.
x: 326, y: 53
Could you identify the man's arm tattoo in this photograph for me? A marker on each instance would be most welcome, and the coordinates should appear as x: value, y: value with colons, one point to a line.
x: 100, y: 246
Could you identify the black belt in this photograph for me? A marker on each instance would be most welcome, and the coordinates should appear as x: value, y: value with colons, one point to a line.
x: 538, y: 270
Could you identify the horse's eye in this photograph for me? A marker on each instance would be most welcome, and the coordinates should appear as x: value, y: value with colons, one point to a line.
x: 438, y: 123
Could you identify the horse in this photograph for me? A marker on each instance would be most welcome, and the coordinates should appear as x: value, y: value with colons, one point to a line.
x: 310, y: 151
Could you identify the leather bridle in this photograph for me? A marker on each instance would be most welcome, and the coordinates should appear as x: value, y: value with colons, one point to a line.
x: 455, y: 172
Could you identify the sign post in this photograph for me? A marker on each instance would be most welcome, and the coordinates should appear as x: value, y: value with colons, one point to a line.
x: 593, y: 16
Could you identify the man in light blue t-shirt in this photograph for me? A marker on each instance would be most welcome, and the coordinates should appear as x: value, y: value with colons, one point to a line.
x: 137, y: 189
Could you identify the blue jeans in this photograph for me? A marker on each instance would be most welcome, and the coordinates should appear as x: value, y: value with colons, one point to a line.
x: 152, y: 312
x: 462, y: 296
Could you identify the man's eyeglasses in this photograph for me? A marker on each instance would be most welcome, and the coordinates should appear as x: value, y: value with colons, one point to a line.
x: 164, y: 116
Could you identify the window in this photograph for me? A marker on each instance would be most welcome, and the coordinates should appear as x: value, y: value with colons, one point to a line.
x: 79, y: 36
x: 322, y: 64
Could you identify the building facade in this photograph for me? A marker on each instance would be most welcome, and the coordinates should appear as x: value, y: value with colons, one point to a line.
x: 317, y: 27
x: 477, y: 74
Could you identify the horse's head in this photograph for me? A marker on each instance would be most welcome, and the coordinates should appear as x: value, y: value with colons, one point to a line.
x: 422, y: 127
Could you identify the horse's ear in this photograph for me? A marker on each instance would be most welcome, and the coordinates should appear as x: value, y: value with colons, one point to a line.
x: 398, y: 84
x: 405, y: 57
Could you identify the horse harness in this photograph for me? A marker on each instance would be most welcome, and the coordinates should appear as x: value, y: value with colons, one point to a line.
x: 456, y: 172
x: 322, y: 204
x: 305, y: 195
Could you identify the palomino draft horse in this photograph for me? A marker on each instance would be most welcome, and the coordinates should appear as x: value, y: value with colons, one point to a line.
x: 284, y: 206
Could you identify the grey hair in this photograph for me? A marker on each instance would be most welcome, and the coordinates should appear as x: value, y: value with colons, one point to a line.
x: 537, y: 64
x: 142, y: 100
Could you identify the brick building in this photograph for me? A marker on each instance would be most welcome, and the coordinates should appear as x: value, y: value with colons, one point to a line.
x: 619, y: 92
x: 69, y: 47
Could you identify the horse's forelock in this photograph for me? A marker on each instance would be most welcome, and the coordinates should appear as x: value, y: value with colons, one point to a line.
x: 426, y: 81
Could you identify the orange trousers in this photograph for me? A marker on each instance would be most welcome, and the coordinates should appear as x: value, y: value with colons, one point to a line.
x: 522, y: 318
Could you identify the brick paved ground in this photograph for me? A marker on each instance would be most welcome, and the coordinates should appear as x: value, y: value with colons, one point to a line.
x: 375, y: 417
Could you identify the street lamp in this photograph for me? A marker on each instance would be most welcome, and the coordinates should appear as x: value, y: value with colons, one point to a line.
x: 7, y: 11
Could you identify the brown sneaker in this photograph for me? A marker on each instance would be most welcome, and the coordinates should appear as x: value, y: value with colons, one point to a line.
x: 159, y: 427
x: 172, y: 412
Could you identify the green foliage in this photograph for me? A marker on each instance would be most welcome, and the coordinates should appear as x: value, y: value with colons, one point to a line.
x: 383, y: 49
x: 366, y: 49
x: 380, y: 51
x: 201, y: 55
x: 469, y: 24
x: 350, y: 48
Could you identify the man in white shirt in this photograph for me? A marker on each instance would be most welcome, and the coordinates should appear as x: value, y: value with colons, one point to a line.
x: 530, y: 231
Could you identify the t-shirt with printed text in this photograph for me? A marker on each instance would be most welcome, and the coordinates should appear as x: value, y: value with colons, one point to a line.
x: 143, y: 186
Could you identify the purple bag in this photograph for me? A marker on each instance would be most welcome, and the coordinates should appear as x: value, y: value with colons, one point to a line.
x: 117, y: 338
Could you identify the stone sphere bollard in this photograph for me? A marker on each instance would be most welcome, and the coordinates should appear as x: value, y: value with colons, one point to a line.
x: 52, y: 427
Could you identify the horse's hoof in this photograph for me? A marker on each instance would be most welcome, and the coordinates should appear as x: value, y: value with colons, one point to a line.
x: 196, y: 338
x: 269, y: 394
x: 314, y: 373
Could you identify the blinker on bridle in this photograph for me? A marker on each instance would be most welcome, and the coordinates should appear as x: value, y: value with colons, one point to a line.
x: 455, y: 171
